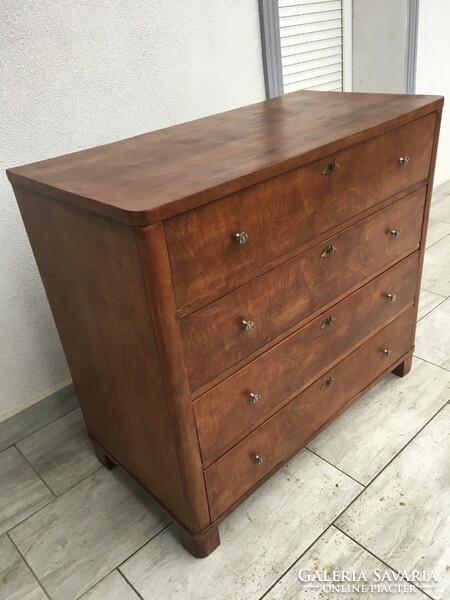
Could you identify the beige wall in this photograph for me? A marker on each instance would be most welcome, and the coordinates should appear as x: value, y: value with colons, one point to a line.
x: 78, y: 74
x: 379, y: 45
x: 433, y: 50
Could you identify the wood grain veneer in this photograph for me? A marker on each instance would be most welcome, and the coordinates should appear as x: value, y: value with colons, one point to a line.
x: 295, y: 208
x: 213, y: 336
x: 211, y: 157
x: 148, y: 288
x: 234, y: 473
x: 227, y: 410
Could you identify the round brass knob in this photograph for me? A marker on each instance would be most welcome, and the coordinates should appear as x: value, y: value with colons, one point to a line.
x: 391, y: 297
x: 387, y: 352
x: 247, y: 325
x: 260, y: 460
x: 396, y: 233
x: 255, y: 398
x: 241, y: 238
x: 404, y: 160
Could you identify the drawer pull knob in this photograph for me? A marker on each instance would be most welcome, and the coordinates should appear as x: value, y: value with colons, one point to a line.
x: 260, y: 460
x: 391, y: 297
x: 404, y: 160
x: 326, y: 384
x: 247, y: 325
x: 328, y: 251
x: 241, y: 238
x: 396, y: 233
x: 330, y: 168
x: 327, y: 322
x: 255, y: 398
x: 387, y: 352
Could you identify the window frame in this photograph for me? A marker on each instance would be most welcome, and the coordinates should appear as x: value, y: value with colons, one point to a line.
x: 271, y: 47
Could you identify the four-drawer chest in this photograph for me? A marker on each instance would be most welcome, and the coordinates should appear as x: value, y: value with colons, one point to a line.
x: 225, y: 288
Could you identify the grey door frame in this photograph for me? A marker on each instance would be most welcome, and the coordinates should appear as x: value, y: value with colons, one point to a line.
x: 411, y: 46
x: 271, y: 47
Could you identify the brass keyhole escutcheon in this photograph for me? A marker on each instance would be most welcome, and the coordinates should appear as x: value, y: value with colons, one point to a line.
x: 326, y: 384
x: 330, y: 168
x: 328, y: 251
x: 327, y: 322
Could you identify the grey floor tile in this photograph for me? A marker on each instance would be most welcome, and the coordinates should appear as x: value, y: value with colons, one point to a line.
x: 440, y: 211
x: 402, y: 517
x: 436, y: 268
x: 259, y: 540
x: 61, y: 452
x: 440, y: 192
x: 16, y: 580
x: 436, y: 231
x: 367, y: 436
x: 427, y: 302
x: 433, y: 336
x: 22, y: 492
x: 83, y: 535
x: 40, y: 414
x: 113, y: 587
x: 334, y: 550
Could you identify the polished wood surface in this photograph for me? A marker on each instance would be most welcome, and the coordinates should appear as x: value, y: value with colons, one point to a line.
x: 155, y: 264
x: 228, y: 410
x: 237, y: 471
x: 404, y: 368
x: 290, y: 210
x: 91, y: 272
x: 133, y: 241
x: 160, y: 174
x: 201, y: 545
x: 425, y: 219
x: 213, y: 336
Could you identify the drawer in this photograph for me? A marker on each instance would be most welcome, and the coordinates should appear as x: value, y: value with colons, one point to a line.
x: 277, y: 439
x: 232, y: 407
x: 283, y: 213
x: 214, y: 338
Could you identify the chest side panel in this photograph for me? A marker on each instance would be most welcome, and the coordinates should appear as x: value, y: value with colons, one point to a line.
x: 91, y: 273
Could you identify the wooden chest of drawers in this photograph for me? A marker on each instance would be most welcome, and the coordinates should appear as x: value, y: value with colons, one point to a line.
x: 225, y: 288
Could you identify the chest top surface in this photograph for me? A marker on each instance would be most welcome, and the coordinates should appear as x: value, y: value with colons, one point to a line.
x: 160, y: 174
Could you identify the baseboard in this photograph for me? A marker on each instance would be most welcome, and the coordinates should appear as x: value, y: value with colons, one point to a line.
x: 38, y: 415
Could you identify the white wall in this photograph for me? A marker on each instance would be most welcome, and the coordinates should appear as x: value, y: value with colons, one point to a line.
x: 74, y: 74
x: 433, y: 50
x: 379, y: 45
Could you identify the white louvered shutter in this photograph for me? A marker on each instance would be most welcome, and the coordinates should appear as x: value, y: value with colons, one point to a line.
x: 311, y: 44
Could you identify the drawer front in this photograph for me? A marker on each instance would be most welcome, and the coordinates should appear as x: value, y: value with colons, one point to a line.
x: 283, y: 213
x: 214, y: 337
x: 232, y: 407
x: 238, y: 470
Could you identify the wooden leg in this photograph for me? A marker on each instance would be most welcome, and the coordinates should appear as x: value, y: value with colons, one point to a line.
x: 201, y: 545
x: 105, y: 460
x: 403, y: 368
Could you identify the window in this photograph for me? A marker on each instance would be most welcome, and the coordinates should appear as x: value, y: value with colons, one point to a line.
x: 306, y: 44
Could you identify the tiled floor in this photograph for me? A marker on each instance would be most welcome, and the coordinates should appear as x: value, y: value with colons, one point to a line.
x: 371, y: 492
